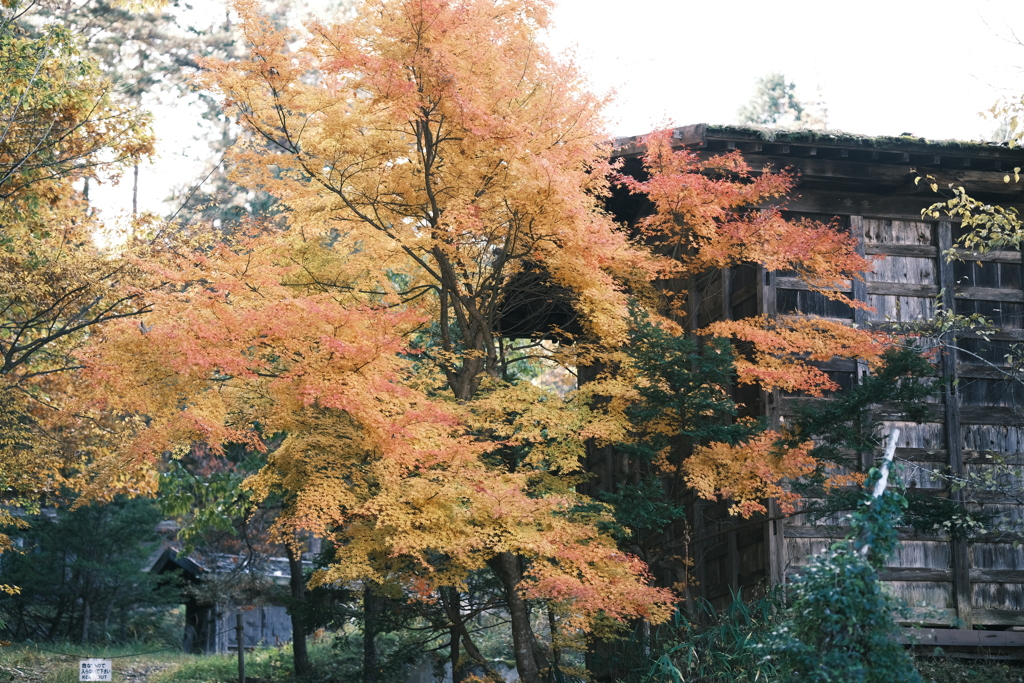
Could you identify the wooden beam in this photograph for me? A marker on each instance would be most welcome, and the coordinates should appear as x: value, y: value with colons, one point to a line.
x: 1001, y: 335
x: 986, y: 458
x: 989, y: 294
x: 829, y: 531
x: 960, y: 556
x: 897, y: 207
x: 690, y: 135
x: 812, y: 166
x: 915, y: 574
x: 961, y: 638
x: 997, y: 576
x: 933, y: 412
x: 992, y: 415
x: 905, y: 250
x: 901, y: 289
x: 931, y: 615
x: 797, y: 283
x: 990, y: 257
x: 939, y: 455
x: 998, y: 617
x: 984, y: 372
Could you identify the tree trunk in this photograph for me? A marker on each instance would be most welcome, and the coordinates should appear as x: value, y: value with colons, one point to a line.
x: 530, y: 658
x: 135, y: 192
x: 556, y: 654
x: 451, y: 600
x: 297, y: 582
x: 371, y: 618
x: 453, y: 654
x: 452, y: 603
x: 85, y: 621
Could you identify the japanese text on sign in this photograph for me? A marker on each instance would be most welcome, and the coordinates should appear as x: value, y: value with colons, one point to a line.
x: 94, y: 670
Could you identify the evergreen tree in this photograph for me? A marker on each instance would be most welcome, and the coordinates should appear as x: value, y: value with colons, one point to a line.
x: 81, y: 573
x: 775, y: 103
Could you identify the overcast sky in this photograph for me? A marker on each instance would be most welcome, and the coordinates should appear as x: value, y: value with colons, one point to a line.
x: 880, y: 67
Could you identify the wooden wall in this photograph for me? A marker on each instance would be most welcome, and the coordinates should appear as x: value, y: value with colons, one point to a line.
x: 964, y: 581
x: 265, y: 626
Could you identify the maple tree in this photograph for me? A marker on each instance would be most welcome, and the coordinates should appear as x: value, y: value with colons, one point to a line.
x: 59, y: 122
x: 440, y: 142
x: 430, y: 157
x: 369, y: 459
x: 714, y: 213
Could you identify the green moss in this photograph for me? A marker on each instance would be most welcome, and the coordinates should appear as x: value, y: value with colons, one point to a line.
x: 841, y: 139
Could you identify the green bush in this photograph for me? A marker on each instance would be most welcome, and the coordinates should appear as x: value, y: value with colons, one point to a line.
x: 839, y: 625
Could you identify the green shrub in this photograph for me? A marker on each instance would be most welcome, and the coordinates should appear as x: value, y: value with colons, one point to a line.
x: 839, y: 625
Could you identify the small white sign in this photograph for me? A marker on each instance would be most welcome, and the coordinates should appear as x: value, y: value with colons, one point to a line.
x: 94, y: 670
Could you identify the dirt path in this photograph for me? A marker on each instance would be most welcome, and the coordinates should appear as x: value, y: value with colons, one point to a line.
x: 142, y: 673
x: 38, y: 672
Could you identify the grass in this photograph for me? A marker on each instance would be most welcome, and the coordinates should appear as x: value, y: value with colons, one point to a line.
x: 950, y: 670
x: 26, y: 664
x: 58, y: 662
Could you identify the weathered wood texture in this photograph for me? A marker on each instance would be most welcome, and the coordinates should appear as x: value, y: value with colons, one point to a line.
x: 265, y: 626
x: 978, y: 421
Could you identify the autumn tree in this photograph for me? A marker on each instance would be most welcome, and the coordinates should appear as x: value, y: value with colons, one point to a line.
x: 374, y: 458
x: 713, y: 213
x: 59, y: 122
x: 440, y: 141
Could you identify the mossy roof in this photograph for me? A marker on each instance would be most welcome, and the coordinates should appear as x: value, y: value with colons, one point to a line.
x: 704, y: 132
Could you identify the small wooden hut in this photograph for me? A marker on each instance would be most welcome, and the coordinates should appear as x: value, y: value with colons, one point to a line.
x: 210, y: 625
x: 867, y: 185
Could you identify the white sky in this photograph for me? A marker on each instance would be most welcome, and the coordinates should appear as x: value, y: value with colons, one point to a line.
x: 881, y: 68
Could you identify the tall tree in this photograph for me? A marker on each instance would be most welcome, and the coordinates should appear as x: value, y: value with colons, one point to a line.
x: 440, y: 140
x: 407, y: 481
x: 775, y: 103
x: 59, y: 121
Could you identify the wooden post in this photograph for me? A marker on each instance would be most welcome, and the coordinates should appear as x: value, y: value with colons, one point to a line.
x: 775, y: 529
x: 960, y: 554
x: 240, y: 630
x: 860, y: 288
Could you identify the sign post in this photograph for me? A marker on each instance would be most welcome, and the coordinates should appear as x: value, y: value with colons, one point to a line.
x: 240, y: 626
x: 94, y: 670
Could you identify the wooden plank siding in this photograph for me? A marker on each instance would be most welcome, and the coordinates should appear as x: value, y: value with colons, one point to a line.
x: 945, y: 580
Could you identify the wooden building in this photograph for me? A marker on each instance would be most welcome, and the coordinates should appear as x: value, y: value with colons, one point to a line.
x: 210, y: 625
x: 867, y: 185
